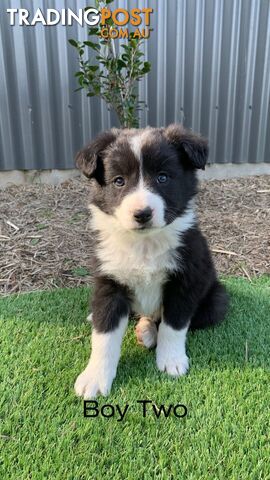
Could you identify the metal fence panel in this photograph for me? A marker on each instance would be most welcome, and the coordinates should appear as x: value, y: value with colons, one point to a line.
x: 210, y: 70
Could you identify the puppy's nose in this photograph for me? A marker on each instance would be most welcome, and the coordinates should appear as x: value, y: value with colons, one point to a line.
x: 143, y: 216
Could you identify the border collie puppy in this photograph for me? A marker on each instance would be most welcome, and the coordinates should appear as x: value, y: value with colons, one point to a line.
x: 150, y: 256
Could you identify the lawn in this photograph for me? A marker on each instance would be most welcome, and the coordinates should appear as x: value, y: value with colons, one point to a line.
x: 43, y: 435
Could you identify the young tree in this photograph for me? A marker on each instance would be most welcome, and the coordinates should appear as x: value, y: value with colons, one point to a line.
x: 112, y: 74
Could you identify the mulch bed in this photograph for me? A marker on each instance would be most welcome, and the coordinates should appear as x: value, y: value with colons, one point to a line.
x: 45, y: 242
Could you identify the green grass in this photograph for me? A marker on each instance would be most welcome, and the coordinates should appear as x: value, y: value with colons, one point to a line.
x: 44, y: 344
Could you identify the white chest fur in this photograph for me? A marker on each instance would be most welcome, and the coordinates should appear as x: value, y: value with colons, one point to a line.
x: 139, y: 260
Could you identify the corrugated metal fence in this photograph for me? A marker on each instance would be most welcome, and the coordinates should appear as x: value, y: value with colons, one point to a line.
x: 210, y: 69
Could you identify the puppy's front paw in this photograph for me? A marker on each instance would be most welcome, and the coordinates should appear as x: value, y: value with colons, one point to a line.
x: 171, y: 351
x: 172, y: 363
x: 94, y: 380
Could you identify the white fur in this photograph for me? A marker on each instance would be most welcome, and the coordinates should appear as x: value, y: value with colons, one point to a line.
x: 136, y: 141
x: 136, y: 145
x: 171, y: 351
x: 140, y: 260
x: 147, y: 295
x: 146, y: 332
x: 138, y: 200
x: 89, y: 318
x: 101, y: 369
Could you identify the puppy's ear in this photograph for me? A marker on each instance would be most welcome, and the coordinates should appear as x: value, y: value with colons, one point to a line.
x: 194, y: 147
x: 89, y: 159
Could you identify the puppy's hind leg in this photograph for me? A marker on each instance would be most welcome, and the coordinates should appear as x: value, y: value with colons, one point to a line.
x: 146, y: 332
x: 212, y: 309
x: 89, y: 318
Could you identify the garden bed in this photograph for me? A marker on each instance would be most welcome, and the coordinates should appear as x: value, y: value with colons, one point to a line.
x: 45, y: 242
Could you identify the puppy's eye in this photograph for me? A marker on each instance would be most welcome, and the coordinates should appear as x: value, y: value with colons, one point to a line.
x: 162, y: 177
x: 119, y: 181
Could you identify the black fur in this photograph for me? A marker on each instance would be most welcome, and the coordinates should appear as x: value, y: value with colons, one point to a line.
x: 182, y: 185
x: 110, y: 302
x: 193, y: 293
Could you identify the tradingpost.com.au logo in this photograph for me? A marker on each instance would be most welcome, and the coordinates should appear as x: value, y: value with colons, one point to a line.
x: 89, y: 16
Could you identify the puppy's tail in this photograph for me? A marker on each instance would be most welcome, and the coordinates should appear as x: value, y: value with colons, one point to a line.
x: 212, y: 309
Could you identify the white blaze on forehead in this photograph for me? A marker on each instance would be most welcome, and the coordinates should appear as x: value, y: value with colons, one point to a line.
x: 136, y: 142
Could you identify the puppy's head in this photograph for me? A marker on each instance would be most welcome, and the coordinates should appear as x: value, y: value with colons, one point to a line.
x: 143, y: 178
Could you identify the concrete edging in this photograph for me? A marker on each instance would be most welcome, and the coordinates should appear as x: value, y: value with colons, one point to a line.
x: 54, y: 177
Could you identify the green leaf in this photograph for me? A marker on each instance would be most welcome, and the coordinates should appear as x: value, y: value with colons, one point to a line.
x: 133, y: 42
x: 41, y: 226
x: 139, y: 54
x: 93, y: 68
x: 93, y: 31
x: 96, y: 89
x: 121, y: 64
x: 35, y: 241
x: 109, y: 22
x: 91, y: 94
x: 94, y: 46
x: 80, y: 272
x: 73, y: 42
x: 146, y: 67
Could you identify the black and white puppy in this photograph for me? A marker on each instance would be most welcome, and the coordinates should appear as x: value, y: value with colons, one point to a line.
x: 151, y: 258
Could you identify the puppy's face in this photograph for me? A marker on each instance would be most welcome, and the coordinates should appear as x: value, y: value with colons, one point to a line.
x: 144, y: 178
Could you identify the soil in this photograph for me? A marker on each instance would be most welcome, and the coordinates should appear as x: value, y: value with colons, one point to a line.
x: 45, y: 241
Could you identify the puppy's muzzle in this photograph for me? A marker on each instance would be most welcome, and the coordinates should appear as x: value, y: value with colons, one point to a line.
x: 142, y: 217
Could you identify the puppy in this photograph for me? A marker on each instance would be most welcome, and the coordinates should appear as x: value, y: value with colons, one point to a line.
x: 150, y: 256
